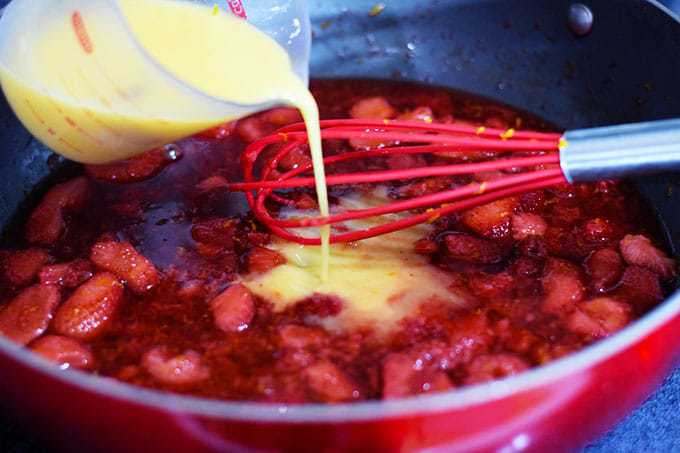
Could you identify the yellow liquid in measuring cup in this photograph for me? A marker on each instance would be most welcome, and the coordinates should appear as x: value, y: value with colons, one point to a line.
x: 88, y: 93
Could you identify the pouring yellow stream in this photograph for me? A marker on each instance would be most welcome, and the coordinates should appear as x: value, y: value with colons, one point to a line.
x: 90, y: 93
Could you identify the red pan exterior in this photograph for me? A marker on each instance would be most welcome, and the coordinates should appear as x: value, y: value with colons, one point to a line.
x: 556, y: 415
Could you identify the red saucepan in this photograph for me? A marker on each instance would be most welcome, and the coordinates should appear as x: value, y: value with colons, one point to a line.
x: 527, y: 53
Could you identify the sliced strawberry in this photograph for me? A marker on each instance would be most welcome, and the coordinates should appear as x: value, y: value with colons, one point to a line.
x: 64, y: 352
x: 233, y: 309
x: 297, y: 158
x: 405, y: 375
x: 216, y: 231
x: 68, y: 275
x: 123, y: 260
x: 219, y: 132
x: 294, y: 336
x: 485, y: 368
x: 604, y: 268
x: 599, y: 317
x: 640, y: 287
x: 91, y: 309
x: 261, y: 260
x: 425, y: 246
x: 134, y: 169
x: 563, y: 287
x: 28, y: 315
x: 375, y: 108
x: 212, y: 183
x: 492, y: 219
x: 639, y: 251
x: 329, y: 384
x: 46, y: 223
x: 423, y: 114
x: 21, y: 267
x: 527, y: 224
x: 468, y: 248
x: 182, y: 369
x: 490, y: 286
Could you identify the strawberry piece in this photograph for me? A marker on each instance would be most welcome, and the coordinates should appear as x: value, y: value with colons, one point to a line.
x: 28, y: 315
x: 179, y: 370
x: 533, y: 201
x: 425, y: 246
x: 257, y: 126
x: 305, y: 201
x: 219, y: 132
x: 21, y: 267
x: 492, y: 219
x: 489, y: 367
x: 217, y: 231
x: 471, y: 337
x: 604, y: 268
x: 281, y: 116
x: 423, y: 114
x: 638, y: 250
x: 329, y: 384
x: 563, y: 287
x: 68, y: 275
x: 599, y: 231
x: 233, y: 309
x: 64, y: 352
x: 91, y: 309
x: 404, y: 161
x: 491, y: 286
x: 375, y: 108
x: 527, y: 224
x: 294, y: 336
x: 124, y: 261
x: 212, y: 183
x: 46, y: 223
x: 296, y: 158
x: 320, y: 305
x: 465, y: 247
x: 640, y: 287
x: 599, y: 317
x: 405, y: 375
x: 134, y: 169
x: 424, y: 186
x: 261, y: 260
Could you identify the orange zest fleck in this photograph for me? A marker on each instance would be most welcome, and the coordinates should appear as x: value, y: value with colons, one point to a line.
x: 508, y: 134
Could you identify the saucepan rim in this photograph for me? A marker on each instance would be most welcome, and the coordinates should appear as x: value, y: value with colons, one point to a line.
x: 571, y: 365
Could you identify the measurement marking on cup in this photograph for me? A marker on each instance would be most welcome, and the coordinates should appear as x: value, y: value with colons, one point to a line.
x: 34, y: 112
x: 81, y: 32
x: 70, y: 145
x: 74, y: 125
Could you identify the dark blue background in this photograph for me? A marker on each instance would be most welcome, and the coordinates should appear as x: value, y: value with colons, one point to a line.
x: 654, y: 427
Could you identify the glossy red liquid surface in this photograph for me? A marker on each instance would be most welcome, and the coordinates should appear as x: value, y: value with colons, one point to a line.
x: 543, y: 274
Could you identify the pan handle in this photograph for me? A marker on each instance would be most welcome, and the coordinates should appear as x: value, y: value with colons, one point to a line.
x: 623, y: 150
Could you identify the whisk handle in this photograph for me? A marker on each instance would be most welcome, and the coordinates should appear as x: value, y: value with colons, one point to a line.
x: 624, y: 150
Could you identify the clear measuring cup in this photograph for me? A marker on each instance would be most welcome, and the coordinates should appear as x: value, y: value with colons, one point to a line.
x: 78, y: 77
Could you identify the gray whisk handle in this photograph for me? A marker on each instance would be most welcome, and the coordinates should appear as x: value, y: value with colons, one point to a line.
x: 618, y: 151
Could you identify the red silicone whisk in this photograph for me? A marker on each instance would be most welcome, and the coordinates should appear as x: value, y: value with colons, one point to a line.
x: 544, y: 160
